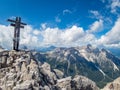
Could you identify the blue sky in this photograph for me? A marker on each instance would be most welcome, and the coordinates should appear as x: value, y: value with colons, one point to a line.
x: 60, y: 13
x: 63, y: 22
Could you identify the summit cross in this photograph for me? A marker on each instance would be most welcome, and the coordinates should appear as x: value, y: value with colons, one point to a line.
x: 17, y: 24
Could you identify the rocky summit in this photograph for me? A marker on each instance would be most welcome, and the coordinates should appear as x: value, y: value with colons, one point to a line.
x: 22, y: 71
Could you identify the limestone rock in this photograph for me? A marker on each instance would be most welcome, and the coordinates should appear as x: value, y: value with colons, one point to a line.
x: 27, y: 85
x: 46, y: 66
x: 115, y: 85
x: 64, y: 84
x: 49, y: 76
x: 58, y: 73
x: 77, y: 83
x: 83, y: 83
x: 20, y: 71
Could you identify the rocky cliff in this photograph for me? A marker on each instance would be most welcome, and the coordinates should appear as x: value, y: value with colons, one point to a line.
x: 22, y: 71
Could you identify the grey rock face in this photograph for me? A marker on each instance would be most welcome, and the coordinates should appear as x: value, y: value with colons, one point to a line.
x: 21, y: 71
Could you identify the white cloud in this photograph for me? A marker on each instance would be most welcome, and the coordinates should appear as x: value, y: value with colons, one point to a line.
x: 62, y: 37
x: 113, y: 36
x: 36, y: 32
x: 50, y: 35
x: 57, y: 19
x: 73, y: 36
x: 30, y: 37
x: 33, y: 38
x: 87, y: 39
x: 6, y: 36
x: 97, y: 26
x: 44, y: 25
x: 95, y: 14
x: 66, y: 11
x: 115, y: 5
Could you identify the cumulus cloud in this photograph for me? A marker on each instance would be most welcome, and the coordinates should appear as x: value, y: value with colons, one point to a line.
x: 6, y: 36
x: 72, y: 36
x: 62, y: 37
x: 113, y: 36
x: 97, y: 26
x: 34, y: 38
x: 36, y: 32
x: 30, y: 37
x: 44, y: 25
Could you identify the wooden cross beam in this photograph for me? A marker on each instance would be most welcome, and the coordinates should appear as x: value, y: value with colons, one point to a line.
x: 17, y: 24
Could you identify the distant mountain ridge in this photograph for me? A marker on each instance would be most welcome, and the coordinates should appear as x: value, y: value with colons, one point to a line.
x: 38, y: 49
x: 100, y: 65
x: 114, y: 51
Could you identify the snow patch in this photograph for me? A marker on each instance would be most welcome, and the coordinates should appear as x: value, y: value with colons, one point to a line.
x: 101, y: 71
x: 115, y: 67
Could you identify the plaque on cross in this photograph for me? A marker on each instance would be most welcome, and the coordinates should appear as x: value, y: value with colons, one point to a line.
x: 17, y: 24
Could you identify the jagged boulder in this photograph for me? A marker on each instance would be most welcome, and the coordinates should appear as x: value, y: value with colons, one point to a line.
x: 64, y: 84
x: 26, y: 85
x: 49, y: 76
x: 77, y: 83
x: 83, y: 83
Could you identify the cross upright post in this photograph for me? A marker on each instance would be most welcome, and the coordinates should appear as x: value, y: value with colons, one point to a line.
x: 17, y: 24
